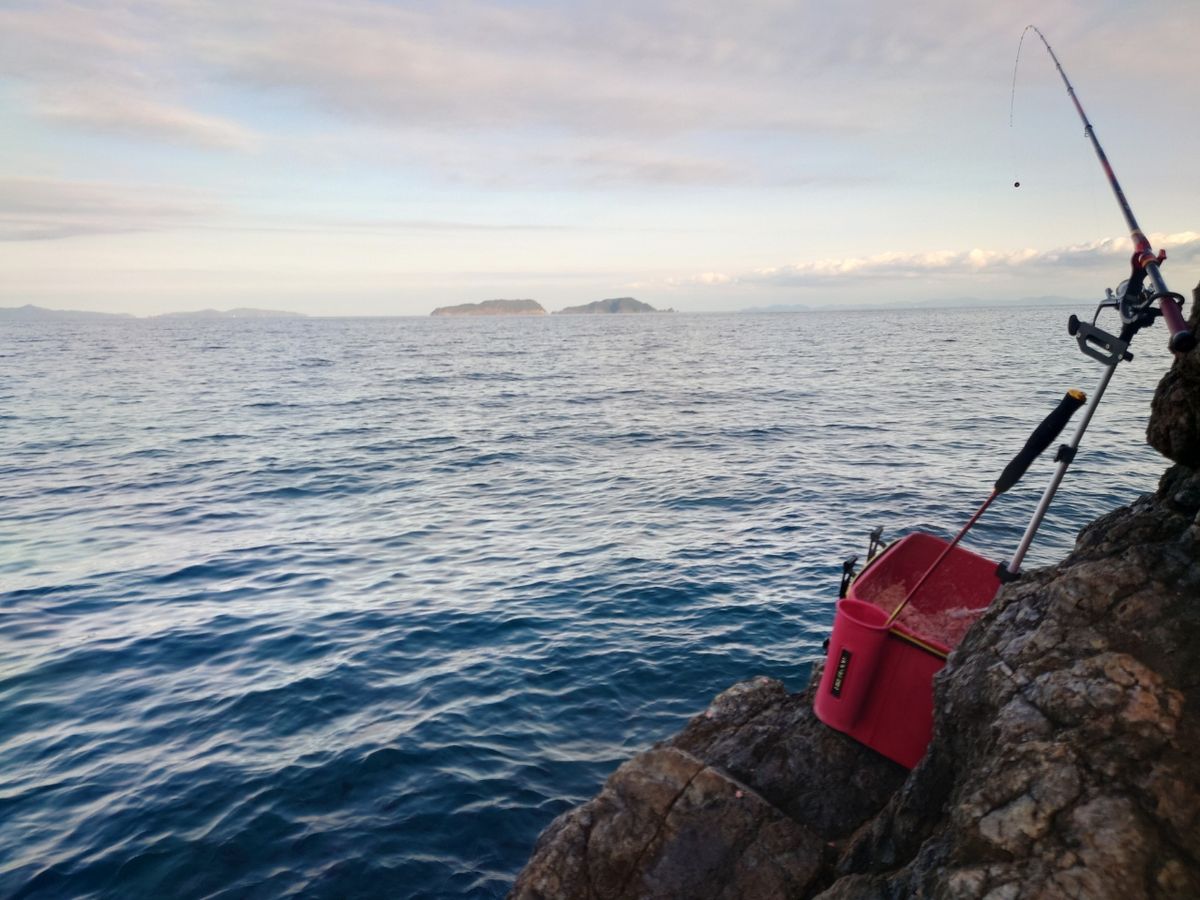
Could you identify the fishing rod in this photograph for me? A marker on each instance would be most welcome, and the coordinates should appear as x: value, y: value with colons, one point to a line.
x: 877, y: 684
x: 1182, y: 340
x: 1135, y: 303
x: 1132, y: 299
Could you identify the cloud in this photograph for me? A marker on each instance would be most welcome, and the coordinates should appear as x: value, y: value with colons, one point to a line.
x: 702, y: 85
x: 655, y: 67
x: 123, y: 112
x: 581, y: 68
x: 47, y: 209
x: 894, y: 266
x: 655, y: 70
x: 39, y: 209
x: 614, y: 166
x: 112, y: 71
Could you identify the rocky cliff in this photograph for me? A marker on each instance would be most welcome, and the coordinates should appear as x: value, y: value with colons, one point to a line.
x: 1064, y: 761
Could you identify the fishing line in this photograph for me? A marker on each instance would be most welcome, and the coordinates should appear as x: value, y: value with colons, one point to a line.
x: 1012, y: 102
x: 1017, y: 159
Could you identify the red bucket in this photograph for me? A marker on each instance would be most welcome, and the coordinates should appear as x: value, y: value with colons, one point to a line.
x: 859, y: 632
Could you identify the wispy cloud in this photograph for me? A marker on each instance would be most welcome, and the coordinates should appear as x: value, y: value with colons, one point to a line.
x: 123, y: 112
x: 583, y: 68
x: 112, y: 71
x: 697, y: 84
x: 616, y: 166
x: 39, y: 209
x: 48, y: 209
x: 1185, y: 246
x: 588, y: 74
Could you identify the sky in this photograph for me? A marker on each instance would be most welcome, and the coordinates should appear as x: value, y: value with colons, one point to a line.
x: 354, y: 157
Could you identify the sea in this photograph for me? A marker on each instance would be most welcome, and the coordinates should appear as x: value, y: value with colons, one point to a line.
x: 355, y: 607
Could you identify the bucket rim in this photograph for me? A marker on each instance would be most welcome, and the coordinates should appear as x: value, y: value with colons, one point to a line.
x: 863, y: 614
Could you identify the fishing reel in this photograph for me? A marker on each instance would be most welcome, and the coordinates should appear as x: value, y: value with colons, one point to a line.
x: 1133, y: 305
x: 1134, y: 302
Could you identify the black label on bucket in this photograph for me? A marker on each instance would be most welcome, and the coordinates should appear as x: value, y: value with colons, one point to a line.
x: 839, y: 674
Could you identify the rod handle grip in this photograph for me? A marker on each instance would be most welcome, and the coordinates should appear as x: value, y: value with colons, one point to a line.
x: 1047, y: 431
x: 1182, y: 337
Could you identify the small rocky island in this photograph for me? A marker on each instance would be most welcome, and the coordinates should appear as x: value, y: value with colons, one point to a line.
x: 1064, y: 758
x: 493, y: 308
x: 614, y: 306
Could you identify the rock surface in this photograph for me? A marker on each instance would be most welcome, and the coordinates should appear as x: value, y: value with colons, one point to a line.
x: 1175, y: 411
x: 1064, y: 761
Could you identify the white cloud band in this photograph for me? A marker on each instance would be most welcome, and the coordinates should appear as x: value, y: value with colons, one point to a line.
x: 895, y: 265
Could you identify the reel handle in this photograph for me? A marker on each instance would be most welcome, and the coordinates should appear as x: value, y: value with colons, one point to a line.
x: 1047, y: 431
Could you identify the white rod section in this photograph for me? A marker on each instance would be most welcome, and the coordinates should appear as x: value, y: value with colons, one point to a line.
x: 1014, y: 565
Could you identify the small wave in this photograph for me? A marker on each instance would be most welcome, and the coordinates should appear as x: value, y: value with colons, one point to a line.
x: 216, y: 437
x: 271, y: 404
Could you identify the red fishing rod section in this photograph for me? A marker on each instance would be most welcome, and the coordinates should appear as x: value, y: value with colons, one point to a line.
x: 1182, y: 340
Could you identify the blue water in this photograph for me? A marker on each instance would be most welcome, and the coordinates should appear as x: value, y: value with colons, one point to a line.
x: 354, y: 608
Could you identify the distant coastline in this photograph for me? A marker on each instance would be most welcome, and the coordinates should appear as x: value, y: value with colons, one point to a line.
x: 613, y: 306
x: 241, y: 312
x: 31, y: 313
x: 951, y: 303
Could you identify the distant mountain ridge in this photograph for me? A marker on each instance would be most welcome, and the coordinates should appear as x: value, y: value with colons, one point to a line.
x: 31, y: 313
x: 493, y: 308
x: 241, y: 312
x: 948, y: 303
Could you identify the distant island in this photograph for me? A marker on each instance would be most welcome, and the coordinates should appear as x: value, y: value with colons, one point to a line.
x: 493, y: 308
x: 614, y: 306
x: 241, y: 312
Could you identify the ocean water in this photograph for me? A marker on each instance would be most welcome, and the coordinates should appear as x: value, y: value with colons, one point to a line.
x: 354, y: 608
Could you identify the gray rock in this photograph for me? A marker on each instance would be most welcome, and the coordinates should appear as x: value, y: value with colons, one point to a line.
x: 1174, y: 429
x: 666, y: 825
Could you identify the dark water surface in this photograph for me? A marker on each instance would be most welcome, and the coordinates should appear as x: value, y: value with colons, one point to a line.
x: 354, y: 608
